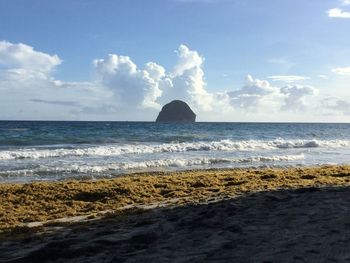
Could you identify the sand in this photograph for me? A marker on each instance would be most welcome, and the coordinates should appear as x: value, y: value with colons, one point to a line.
x: 240, y: 215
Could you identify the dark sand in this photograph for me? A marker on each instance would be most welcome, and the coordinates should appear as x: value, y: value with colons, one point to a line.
x: 305, y: 223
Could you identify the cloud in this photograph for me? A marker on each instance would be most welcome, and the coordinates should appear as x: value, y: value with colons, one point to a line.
x: 288, y: 78
x: 321, y: 76
x: 119, y: 84
x: 253, y: 95
x: 345, y: 71
x: 259, y: 95
x: 131, y: 86
x: 345, y: 2
x: 152, y: 86
x: 26, y: 58
x: 56, y: 102
x: 295, y: 97
x: 338, y: 13
x: 29, y: 89
x: 120, y: 89
x: 21, y: 66
x: 188, y: 80
x: 96, y: 110
x: 336, y: 105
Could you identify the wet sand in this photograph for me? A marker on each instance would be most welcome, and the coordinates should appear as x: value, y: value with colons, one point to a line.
x: 289, y: 215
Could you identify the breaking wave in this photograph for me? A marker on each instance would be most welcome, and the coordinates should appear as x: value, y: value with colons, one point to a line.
x: 152, y: 164
x: 115, y: 150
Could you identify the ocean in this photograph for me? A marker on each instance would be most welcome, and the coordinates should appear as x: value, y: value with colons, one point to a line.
x: 49, y: 151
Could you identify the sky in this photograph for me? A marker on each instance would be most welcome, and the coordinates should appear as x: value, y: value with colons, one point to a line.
x: 230, y: 60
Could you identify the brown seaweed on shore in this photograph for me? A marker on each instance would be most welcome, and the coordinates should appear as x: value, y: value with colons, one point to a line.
x: 44, y: 201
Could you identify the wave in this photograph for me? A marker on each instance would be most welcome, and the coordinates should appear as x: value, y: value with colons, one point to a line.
x: 151, y: 164
x: 115, y: 150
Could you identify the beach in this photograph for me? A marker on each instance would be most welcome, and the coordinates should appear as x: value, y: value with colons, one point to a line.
x: 217, y: 215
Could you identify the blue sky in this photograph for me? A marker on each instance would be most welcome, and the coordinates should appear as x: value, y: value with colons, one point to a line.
x: 274, y: 60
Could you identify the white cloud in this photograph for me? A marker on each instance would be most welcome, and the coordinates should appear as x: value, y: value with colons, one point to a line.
x: 345, y: 2
x: 56, y: 102
x: 188, y: 80
x: 321, y: 76
x: 25, y: 57
x: 23, y: 67
x: 187, y: 60
x: 152, y: 86
x: 120, y: 87
x: 295, y: 97
x: 155, y: 71
x: 255, y: 94
x: 345, y: 71
x: 338, y: 13
x: 336, y: 105
x: 257, y: 86
x: 29, y: 90
x: 288, y: 78
x: 122, y: 90
x: 260, y: 96
x: 131, y: 86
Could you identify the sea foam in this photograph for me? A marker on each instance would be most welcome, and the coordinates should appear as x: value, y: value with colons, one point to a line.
x: 141, y: 165
x: 115, y: 150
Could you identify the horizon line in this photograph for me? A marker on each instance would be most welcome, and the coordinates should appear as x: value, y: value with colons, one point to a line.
x: 257, y: 122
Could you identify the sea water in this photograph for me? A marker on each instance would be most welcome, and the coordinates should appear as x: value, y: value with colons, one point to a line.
x: 32, y: 151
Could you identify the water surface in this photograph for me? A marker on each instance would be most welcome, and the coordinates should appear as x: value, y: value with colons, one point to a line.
x: 32, y: 151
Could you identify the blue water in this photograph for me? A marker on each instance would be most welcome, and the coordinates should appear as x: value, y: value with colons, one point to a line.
x: 31, y: 151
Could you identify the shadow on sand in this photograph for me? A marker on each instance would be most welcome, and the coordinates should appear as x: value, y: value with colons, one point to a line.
x: 304, y: 225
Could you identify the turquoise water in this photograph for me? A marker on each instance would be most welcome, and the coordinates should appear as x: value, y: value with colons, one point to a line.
x: 32, y: 151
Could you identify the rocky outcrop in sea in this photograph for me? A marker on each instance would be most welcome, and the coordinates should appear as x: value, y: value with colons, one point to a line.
x: 176, y: 111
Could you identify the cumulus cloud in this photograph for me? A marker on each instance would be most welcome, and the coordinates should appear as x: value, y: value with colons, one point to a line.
x: 22, y: 66
x: 131, y: 86
x: 257, y: 95
x: 121, y: 89
x: 336, y: 105
x: 119, y: 84
x: 345, y: 71
x: 29, y: 90
x: 187, y: 60
x: 288, y: 78
x: 295, y: 97
x: 21, y: 56
x: 338, y: 13
x: 188, y: 80
x: 152, y: 86
x: 253, y: 95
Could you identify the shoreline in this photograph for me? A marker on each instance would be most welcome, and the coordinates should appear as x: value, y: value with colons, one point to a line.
x: 22, y: 204
x: 168, y: 172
